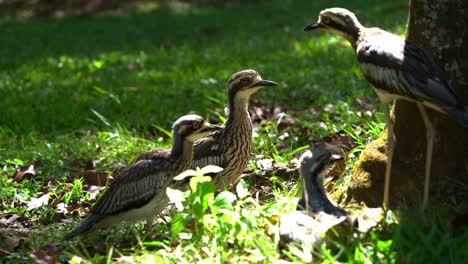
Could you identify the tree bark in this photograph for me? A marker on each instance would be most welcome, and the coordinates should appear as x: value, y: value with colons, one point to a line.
x: 441, y: 28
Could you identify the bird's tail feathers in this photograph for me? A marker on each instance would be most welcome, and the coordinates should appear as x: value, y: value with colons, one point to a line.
x: 85, y: 226
x: 459, y: 115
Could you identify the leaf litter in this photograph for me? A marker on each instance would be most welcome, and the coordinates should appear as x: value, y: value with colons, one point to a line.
x: 26, y: 171
x: 94, y: 180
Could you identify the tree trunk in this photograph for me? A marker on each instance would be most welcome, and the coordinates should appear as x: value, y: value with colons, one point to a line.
x: 441, y: 28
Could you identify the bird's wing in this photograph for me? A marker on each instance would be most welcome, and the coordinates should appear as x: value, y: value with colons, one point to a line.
x: 208, y: 151
x: 134, y: 186
x: 152, y: 153
x: 400, y: 67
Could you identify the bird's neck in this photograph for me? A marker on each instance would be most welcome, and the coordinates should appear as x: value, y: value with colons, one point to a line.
x: 313, y: 188
x: 353, y: 34
x: 238, y: 111
x: 182, y: 150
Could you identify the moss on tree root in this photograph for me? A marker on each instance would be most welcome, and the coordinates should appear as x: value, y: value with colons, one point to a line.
x: 368, y: 177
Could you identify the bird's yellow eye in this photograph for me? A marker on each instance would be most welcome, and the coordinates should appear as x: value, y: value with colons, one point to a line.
x: 326, y: 20
x: 196, y: 126
x: 245, y: 81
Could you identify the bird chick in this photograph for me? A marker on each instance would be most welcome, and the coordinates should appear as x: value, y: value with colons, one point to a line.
x: 231, y: 146
x: 139, y: 191
x: 397, y: 69
x: 315, y: 214
x: 313, y: 167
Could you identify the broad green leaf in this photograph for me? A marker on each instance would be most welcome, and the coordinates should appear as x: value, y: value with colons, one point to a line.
x: 197, y: 208
x: 223, y: 200
x: 178, y: 223
x: 18, y: 161
x: 194, y: 184
x: 76, y: 260
x: 205, y: 191
x: 98, y: 64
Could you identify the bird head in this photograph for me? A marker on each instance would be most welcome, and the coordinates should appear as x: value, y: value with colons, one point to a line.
x: 245, y: 83
x: 192, y: 128
x: 316, y: 162
x: 313, y: 166
x: 338, y: 21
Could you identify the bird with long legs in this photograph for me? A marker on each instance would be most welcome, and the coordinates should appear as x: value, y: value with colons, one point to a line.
x: 139, y: 191
x: 397, y: 69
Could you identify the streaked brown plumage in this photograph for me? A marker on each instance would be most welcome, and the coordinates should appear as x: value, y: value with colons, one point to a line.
x: 397, y: 69
x: 231, y: 146
x: 139, y: 191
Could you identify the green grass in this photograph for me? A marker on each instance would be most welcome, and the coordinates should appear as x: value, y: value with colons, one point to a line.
x: 105, y: 89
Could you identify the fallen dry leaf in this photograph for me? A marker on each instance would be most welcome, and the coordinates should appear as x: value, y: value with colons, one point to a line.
x: 340, y: 140
x: 9, y: 244
x: 50, y: 249
x: 26, y: 170
x: 174, y: 243
x: 307, y: 229
x: 8, y: 218
x: 261, y: 113
x: 93, y: 177
x: 265, y: 164
x: 369, y: 218
x: 62, y: 208
x: 75, y: 209
x: 83, y: 164
x: 38, y: 202
x: 74, y: 175
x: 93, y: 190
x: 41, y: 257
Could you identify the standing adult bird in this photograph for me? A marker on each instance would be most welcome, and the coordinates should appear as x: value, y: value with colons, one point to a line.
x: 397, y: 69
x: 231, y: 146
x: 139, y: 191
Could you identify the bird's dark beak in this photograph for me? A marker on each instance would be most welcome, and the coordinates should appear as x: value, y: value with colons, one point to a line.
x: 210, y: 128
x: 264, y: 83
x: 313, y: 27
x: 335, y: 157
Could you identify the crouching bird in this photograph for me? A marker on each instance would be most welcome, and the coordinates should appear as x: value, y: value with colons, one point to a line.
x: 313, y: 167
x: 315, y: 213
x: 139, y: 191
x: 231, y: 146
x: 397, y: 69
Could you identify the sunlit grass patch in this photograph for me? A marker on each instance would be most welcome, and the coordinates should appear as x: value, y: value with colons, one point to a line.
x: 91, y: 94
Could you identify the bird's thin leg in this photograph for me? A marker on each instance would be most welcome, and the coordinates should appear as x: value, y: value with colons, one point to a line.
x: 390, y: 149
x: 429, y: 147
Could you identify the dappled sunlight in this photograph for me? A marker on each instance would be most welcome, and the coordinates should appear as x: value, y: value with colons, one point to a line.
x: 83, y: 96
x: 130, y: 69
